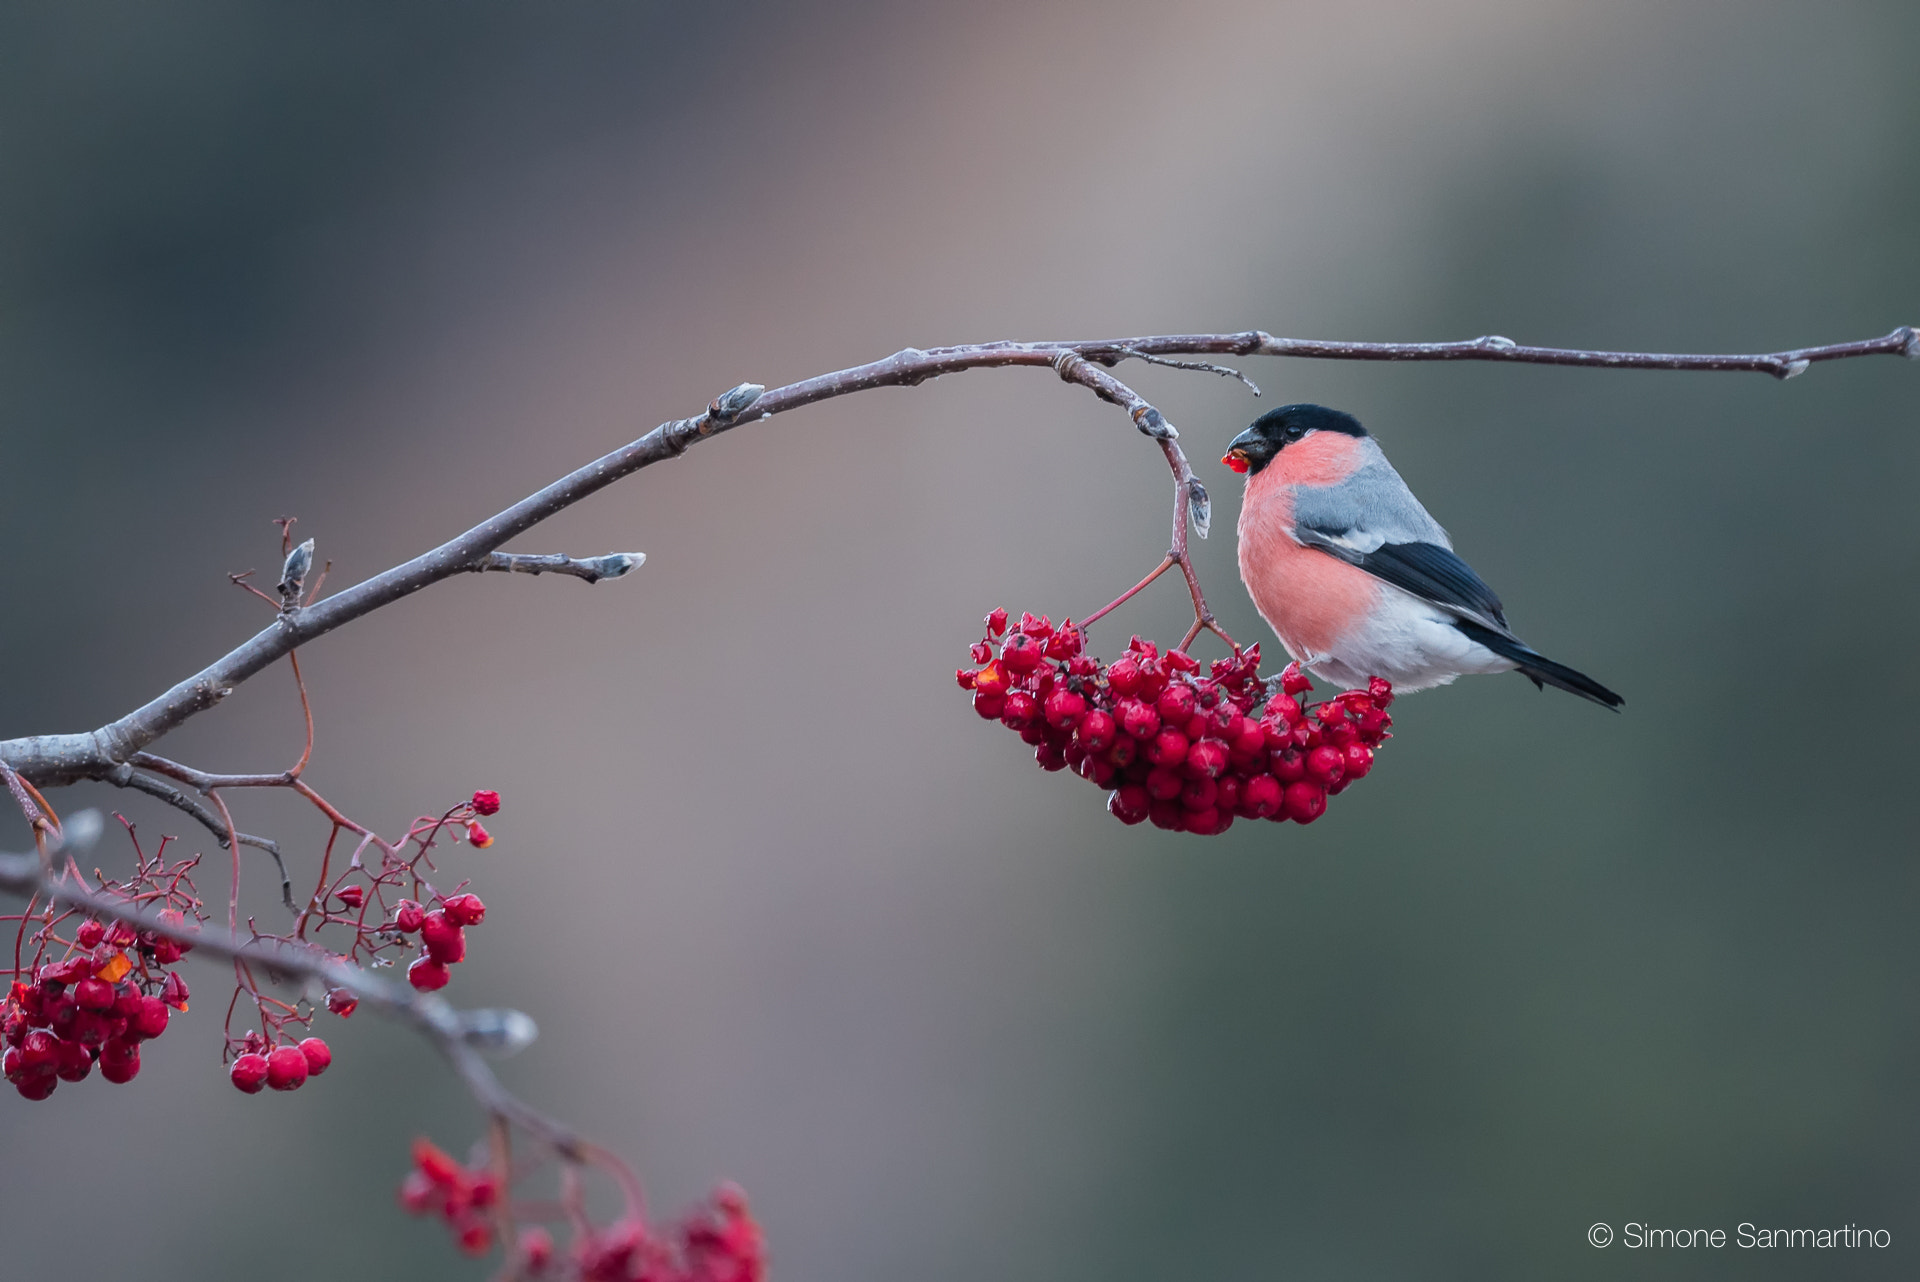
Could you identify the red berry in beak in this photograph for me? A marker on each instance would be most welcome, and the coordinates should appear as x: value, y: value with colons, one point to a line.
x: 1236, y: 460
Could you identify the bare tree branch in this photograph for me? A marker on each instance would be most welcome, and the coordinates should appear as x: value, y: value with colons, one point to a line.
x: 125, y: 777
x: 65, y: 758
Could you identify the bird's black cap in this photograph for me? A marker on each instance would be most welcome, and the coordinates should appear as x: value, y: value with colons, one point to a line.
x: 1278, y: 428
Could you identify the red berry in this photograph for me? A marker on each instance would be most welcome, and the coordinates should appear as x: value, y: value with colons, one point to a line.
x: 72, y: 1061
x: 1305, y: 802
x: 149, y: 1021
x: 474, y: 1236
x: 965, y: 677
x: 1262, y: 796
x: 1168, y: 748
x: 992, y: 679
x: 478, y: 835
x: 1208, y: 823
x: 1181, y: 661
x: 318, y: 1056
x: 1206, y: 759
x: 408, y: 916
x: 997, y: 622
x: 426, y: 974
x: 1170, y: 815
x: 1359, y: 760
x: 1380, y: 690
x: 1138, y: 719
x: 467, y: 910
x: 249, y: 1073
x: 39, y: 1053
x: 89, y: 934
x: 1018, y: 710
x: 1066, y: 642
x: 1021, y: 653
x: 989, y: 706
x: 1095, y: 731
x: 13, y: 1029
x: 120, y: 1062
x: 70, y: 971
x: 1326, y: 764
x: 1199, y: 794
x: 341, y: 1002
x: 486, y: 802
x: 93, y: 994
x: 351, y: 896
x: 1128, y: 803
x: 1122, y: 752
x: 536, y: 1248
x: 444, y: 940
x: 286, y: 1068
x: 36, y: 1088
x: 1227, y: 793
x: 1177, y: 704
x: 1050, y: 756
x: 1123, y: 677
x: 1064, y: 709
x: 1164, y: 783
x: 174, y: 991
x: 1294, y: 681
x: 1289, y: 765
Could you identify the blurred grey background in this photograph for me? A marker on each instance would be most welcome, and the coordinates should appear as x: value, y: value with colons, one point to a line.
x: 786, y: 911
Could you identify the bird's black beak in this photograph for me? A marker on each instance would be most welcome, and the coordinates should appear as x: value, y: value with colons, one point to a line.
x: 1236, y: 455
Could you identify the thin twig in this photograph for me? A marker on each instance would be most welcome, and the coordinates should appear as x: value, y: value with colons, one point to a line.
x: 593, y: 568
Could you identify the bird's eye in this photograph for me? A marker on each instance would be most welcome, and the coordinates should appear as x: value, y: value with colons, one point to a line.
x: 1295, y: 432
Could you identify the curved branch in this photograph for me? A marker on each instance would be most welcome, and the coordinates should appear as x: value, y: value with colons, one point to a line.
x: 65, y: 758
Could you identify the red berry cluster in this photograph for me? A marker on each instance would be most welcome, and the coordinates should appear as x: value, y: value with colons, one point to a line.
x: 443, y: 936
x: 1190, y: 753
x: 96, y: 1005
x: 720, y: 1243
x: 284, y: 1068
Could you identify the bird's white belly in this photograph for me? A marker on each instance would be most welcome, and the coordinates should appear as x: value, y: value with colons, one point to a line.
x: 1410, y: 642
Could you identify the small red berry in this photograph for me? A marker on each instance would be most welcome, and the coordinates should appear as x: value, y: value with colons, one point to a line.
x: 1064, y: 709
x: 318, y: 1056
x: 444, y: 940
x: 1359, y: 760
x: 1326, y: 764
x: 408, y: 916
x: 486, y: 802
x: 427, y: 975
x: 1018, y: 710
x: 1138, y: 719
x: 478, y: 836
x: 466, y: 909
x: 989, y: 706
x: 1206, y: 759
x: 1380, y: 690
x: 93, y: 994
x: 36, y: 1088
x: 120, y: 1062
x: 1123, y: 677
x: 1169, y: 748
x: 174, y: 992
x: 992, y: 679
x: 1294, y: 681
x: 1262, y: 796
x: 351, y: 896
x: 1066, y: 642
x: 981, y: 652
x: 536, y: 1248
x: 1021, y: 653
x: 475, y: 1236
x: 73, y: 1061
x: 1177, y: 704
x: 286, y: 1068
x: 249, y: 1073
x: 341, y: 1002
x: 1305, y: 801
x: 1095, y: 731
x: 1199, y: 794
x: 150, y: 1020
x: 1129, y: 803
x: 997, y: 622
x: 89, y: 934
x: 965, y: 677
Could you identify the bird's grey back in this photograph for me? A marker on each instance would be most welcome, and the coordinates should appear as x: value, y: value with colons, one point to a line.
x: 1371, y: 507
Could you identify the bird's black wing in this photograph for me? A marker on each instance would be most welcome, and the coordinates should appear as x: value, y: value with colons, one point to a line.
x: 1427, y: 570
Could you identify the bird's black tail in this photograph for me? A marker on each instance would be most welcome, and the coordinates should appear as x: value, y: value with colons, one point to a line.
x: 1541, y: 670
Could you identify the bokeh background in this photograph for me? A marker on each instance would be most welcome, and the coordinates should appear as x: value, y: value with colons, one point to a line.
x: 785, y: 910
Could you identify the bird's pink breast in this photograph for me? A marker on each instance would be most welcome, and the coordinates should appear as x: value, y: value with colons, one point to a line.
x: 1309, y: 599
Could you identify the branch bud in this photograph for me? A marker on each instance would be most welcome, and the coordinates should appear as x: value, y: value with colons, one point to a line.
x: 294, y: 573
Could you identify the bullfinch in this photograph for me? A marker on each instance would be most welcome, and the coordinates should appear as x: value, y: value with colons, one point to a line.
x: 1354, y: 576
